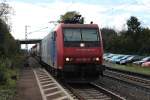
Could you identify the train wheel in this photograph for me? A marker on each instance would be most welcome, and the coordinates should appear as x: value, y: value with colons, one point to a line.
x: 59, y: 74
x: 101, y: 73
x: 53, y: 72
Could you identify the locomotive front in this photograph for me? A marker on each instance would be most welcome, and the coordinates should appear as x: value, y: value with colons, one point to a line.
x: 83, y: 51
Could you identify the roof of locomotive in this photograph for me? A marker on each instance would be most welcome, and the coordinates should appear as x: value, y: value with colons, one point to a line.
x: 62, y: 25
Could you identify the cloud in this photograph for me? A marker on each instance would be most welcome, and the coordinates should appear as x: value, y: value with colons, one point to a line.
x: 38, y: 15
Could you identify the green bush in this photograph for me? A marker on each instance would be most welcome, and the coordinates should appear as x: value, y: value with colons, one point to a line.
x: 7, y: 94
x: 9, y: 73
x: 3, y: 71
x: 9, y: 70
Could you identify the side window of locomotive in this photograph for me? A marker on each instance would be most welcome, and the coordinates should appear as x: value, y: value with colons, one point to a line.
x: 53, y: 36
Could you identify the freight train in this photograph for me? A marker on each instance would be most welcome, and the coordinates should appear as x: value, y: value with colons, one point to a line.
x: 73, y: 51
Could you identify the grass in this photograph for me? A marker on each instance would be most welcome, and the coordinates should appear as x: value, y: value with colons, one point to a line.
x: 8, y: 87
x: 7, y: 94
x: 10, y: 81
x: 132, y: 68
x: 9, y: 75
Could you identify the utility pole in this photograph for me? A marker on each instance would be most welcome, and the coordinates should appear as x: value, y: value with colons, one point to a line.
x: 26, y: 36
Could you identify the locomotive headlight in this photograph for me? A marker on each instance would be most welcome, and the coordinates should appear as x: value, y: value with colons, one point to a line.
x: 67, y: 59
x: 82, y: 45
x: 97, y: 59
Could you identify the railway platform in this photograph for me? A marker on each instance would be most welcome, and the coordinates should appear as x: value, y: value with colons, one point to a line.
x: 35, y: 83
x: 27, y: 87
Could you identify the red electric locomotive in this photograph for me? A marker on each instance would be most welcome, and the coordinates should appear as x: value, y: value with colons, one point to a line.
x: 74, y: 51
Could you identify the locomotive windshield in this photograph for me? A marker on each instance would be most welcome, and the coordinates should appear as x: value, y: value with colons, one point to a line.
x: 81, y: 35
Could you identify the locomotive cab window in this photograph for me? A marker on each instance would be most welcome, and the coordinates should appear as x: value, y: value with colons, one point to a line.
x: 72, y: 35
x: 81, y: 35
x: 90, y: 35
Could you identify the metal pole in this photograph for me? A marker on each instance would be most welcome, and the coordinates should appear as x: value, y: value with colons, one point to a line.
x: 26, y: 37
x: 26, y: 34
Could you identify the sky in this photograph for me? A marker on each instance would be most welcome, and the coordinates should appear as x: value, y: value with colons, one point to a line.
x: 37, y: 14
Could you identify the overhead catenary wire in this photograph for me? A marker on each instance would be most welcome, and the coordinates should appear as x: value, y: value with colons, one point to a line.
x: 37, y: 30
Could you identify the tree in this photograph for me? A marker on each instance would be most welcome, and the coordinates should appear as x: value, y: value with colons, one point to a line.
x: 71, y: 17
x: 144, y: 41
x: 8, y: 45
x: 133, y: 25
x: 108, y: 35
x: 135, y: 40
x: 5, y: 10
x: 133, y: 33
x: 3, y: 31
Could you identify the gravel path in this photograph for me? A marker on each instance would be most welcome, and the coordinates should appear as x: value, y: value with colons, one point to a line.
x: 130, y: 92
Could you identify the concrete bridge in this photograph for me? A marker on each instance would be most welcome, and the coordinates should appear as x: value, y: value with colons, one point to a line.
x: 30, y: 41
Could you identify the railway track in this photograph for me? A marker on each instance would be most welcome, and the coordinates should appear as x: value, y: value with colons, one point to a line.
x: 51, y: 90
x: 92, y: 92
x: 140, y: 82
